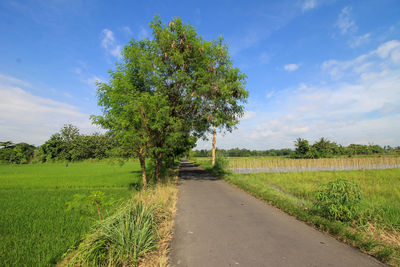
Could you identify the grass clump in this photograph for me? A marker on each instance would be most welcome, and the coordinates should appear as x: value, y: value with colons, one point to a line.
x: 137, y: 235
x: 120, y: 239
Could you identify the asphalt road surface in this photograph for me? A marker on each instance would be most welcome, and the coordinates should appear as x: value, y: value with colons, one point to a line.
x: 219, y: 225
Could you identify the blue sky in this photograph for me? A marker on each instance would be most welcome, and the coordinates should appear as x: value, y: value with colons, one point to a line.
x: 315, y: 68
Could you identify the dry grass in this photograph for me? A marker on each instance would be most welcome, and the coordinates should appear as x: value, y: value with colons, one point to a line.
x: 390, y: 237
x: 165, y: 197
x: 299, y: 164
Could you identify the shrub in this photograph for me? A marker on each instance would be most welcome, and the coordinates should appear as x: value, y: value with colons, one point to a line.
x: 221, y: 165
x: 338, y: 200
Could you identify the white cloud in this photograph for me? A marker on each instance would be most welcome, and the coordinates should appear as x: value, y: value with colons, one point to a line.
x: 291, y: 67
x: 78, y: 70
x: 359, y: 40
x: 366, y: 64
x: 143, y: 33
x: 92, y: 80
x: 249, y: 115
x: 109, y: 43
x: 390, y: 50
x: 345, y: 22
x: 5, y: 79
x: 25, y: 117
x: 359, y: 100
x: 127, y: 31
x: 270, y: 94
x: 264, y: 58
x: 308, y: 4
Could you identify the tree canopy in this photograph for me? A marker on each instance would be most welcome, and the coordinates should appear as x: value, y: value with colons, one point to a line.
x: 168, y: 91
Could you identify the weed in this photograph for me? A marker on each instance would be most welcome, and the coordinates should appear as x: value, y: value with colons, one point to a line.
x: 338, y: 200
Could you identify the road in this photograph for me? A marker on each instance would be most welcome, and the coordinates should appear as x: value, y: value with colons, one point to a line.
x: 219, y: 225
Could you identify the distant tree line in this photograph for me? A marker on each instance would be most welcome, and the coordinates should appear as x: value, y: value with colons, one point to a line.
x: 16, y: 153
x: 70, y: 145
x: 323, y: 148
x: 66, y: 145
x: 237, y: 152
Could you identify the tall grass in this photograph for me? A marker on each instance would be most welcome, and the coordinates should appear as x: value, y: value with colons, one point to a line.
x: 126, y: 238
x: 281, y: 164
x: 120, y: 239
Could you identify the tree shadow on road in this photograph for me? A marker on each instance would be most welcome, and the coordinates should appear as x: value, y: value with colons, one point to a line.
x: 189, y: 171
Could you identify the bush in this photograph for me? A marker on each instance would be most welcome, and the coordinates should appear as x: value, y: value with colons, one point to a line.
x: 338, y: 200
x: 221, y: 166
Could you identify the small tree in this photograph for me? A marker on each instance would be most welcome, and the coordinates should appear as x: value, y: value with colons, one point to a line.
x: 226, y: 92
x: 303, y: 149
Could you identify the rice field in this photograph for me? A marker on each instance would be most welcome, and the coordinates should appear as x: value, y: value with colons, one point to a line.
x: 35, y: 228
x: 282, y: 164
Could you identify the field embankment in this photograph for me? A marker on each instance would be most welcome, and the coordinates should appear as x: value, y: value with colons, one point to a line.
x: 35, y: 228
x: 376, y: 227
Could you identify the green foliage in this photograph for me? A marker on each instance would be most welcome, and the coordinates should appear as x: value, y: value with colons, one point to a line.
x: 121, y: 239
x: 89, y: 205
x: 221, y: 165
x: 35, y: 230
x: 338, y: 200
x: 303, y: 149
x: 168, y: 91
x: 16, y: 153
x: 324, y: 148
x: 220, y: 168
x: 70, y: 145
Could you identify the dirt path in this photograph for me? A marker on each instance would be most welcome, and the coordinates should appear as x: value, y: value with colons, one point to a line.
x: 219, y: 225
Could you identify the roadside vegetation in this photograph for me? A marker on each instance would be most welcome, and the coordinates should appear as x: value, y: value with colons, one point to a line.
x: 137, y: 234
x: 361, y: 207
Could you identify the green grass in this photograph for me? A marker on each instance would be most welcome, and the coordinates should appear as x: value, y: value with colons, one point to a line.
x: 380, y: 189
x: 35, y: 228
x: 376, y: 231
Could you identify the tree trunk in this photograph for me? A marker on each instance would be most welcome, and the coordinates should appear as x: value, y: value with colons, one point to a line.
x: 158, y: 166
x: 213, y: 146
x: 143, y: 166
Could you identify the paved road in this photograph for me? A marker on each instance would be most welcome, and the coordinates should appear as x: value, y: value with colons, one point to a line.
x: 219, y: 225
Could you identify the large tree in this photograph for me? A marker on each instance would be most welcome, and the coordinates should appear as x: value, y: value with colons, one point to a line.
x: 163, y: 94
